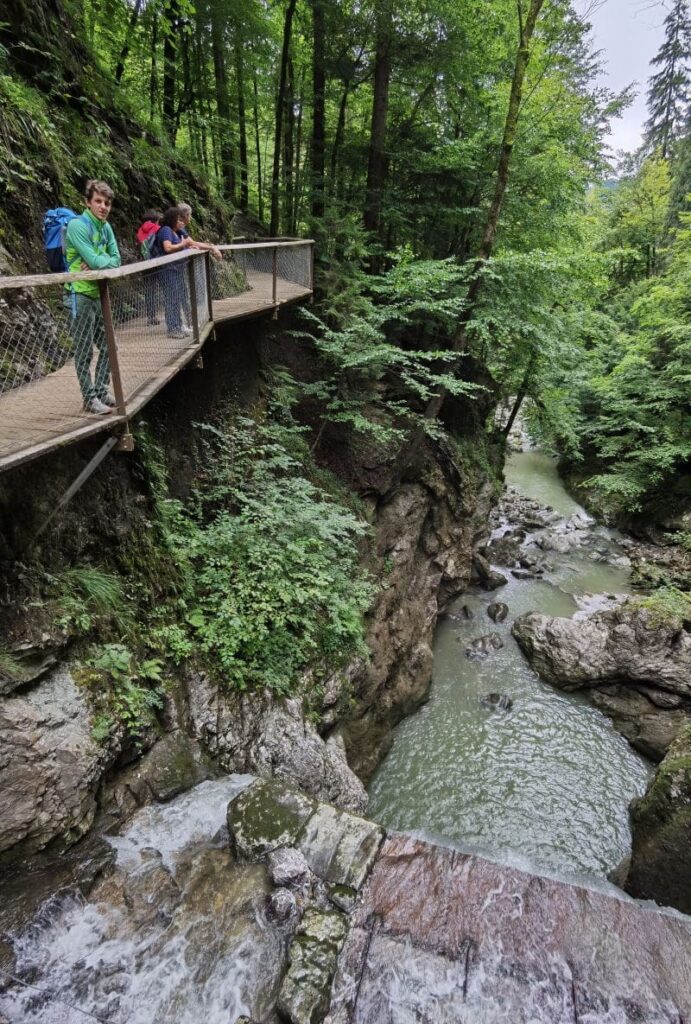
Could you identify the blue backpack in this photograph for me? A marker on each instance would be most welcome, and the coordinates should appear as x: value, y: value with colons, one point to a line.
x: 54, y: 230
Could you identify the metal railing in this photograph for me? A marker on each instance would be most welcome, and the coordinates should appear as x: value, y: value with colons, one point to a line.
x: 137, y: 327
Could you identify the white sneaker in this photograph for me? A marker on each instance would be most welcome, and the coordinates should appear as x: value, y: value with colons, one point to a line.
x: 186, y: 330
x: 96, y: 406
x: 108, y: 398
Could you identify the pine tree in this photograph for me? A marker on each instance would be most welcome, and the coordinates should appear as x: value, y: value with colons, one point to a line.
x: 669, y: 92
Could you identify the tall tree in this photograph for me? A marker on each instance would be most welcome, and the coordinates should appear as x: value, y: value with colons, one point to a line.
x: 280, y: 115
x: 376, y: 163
x: 318, y: 117
x: 669, y: 91
x: 218, y: 25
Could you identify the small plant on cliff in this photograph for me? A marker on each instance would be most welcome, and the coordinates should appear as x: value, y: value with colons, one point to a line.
x: 668, y: 606
x: 132, y: 693
x: 86, y: 593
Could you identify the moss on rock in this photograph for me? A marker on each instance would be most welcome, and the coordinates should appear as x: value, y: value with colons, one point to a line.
x: 661, y: 821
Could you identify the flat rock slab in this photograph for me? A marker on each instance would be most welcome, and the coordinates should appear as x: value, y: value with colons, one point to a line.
x: 449, y: 938
x: 340, y: 847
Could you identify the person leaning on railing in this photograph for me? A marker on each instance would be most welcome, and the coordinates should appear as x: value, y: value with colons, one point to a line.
x: 90, y: 245
x: 169, y: 241
x: 186, y: 214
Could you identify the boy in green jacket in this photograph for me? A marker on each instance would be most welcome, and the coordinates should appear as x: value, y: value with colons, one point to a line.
x: 90, y: 245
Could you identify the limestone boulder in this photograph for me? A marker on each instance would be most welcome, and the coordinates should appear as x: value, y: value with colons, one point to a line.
x: 267, y: 736
x: 624, y: 645
x: 50, y: 766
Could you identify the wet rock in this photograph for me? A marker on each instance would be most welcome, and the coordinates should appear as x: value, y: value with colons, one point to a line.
x: 288, y: 866
x: 649, y: 728
x: 524, y: 574
x: 304, y: 994
x: 661, y: 832
x: 266, y: 816
x: 339, y: 847
x: 343, y: 897
x: 50, y: 767
x: 282, y: 905
x: 467, y: 612
x: 485, y: 575
x: 262, y: 735
x: 30, y: 661
x: 482, y: 646
x: 496, y: 701
x: 558, y: 542
x: 503, y: 550
x: 497, y: 611
x: 507, y: 947
x: 175, y: 764
x: 621, y: 645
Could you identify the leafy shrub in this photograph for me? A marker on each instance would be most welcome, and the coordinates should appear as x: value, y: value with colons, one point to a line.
x: 277, y: 586
x: 127, y: 696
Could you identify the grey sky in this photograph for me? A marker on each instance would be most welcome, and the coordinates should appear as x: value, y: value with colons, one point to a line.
x: 629, y: 32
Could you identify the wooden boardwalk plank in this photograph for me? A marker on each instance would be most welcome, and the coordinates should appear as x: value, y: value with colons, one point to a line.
x: 47, y: 414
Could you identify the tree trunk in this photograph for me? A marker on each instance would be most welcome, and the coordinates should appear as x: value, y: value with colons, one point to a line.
x: 222, y: 104
x: 338, y: 137
x: 295, y: 216
x: 289, y: 148
x: 376, y: 164
x: 280, y: 100
x: 257, y: 144
x: 170, y: 68
x: 527, y: 29
x: 124, y: 52
x: 153, y: 75
x: 242, y: 123
x: 318, y: 119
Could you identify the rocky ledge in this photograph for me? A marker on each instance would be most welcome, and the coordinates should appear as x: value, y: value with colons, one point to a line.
x: 637, y: 669
x: 392, y: 928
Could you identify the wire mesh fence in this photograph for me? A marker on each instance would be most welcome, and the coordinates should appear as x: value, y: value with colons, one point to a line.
x: 117, y: 336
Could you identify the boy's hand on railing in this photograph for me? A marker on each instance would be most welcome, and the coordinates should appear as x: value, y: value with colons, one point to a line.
x: 216, y: 252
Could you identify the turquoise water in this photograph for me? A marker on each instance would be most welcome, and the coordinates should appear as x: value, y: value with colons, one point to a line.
x: 546, y: 784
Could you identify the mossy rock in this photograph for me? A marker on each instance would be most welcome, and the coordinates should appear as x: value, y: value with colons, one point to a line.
x: 304, y: 994
x: 267, y: 815
x: 661, y: 822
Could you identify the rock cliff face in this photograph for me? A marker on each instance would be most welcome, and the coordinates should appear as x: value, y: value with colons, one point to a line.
x: 639, y: 670
x: 425, y: 535
x: 661, y: 824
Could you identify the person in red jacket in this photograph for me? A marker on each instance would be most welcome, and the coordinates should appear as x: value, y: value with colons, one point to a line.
x: 145, y: 238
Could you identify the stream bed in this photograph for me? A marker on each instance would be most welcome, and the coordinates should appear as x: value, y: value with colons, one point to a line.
x: 544, y: 785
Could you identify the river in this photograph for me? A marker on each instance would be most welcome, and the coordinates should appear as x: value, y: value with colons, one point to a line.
x: 545, y: 785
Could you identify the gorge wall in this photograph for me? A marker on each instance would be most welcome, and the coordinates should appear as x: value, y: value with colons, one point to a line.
x: 56, y: 774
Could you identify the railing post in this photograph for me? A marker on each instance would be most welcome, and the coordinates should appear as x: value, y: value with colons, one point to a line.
x: 312, y: 267
x: 194, y: 312
x: 209, y: 299
x: 112, y: 348
x: 274, y: 271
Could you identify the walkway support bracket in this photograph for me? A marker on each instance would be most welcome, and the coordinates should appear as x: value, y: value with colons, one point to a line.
x: 90, y: 468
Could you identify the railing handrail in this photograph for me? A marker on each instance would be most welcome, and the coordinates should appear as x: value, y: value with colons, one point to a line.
x: 8, y: 281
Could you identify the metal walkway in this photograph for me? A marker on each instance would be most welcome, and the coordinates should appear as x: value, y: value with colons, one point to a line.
x: 45, y: 413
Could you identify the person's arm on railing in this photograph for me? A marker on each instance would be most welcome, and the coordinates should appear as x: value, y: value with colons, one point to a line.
x: 206, y: 247
x: 79, y: 237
